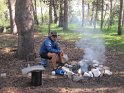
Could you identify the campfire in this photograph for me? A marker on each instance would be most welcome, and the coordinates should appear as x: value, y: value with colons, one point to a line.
x: 85, y: 69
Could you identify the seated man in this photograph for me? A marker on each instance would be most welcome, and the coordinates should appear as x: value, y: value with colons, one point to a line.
x: 50, y: 50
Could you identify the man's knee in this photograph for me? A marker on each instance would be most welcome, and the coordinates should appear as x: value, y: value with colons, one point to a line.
x: 54, y: 55
x: 61, y: 54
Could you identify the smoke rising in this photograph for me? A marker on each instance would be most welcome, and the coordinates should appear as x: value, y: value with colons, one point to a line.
x: 92, y: 42
x: 93, y: 45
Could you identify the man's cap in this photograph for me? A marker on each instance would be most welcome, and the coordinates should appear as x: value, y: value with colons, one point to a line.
x: 53, y: 33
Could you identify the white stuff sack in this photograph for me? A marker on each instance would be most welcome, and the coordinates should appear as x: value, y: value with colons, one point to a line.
x: 65, y: 57
x: 96, y: 72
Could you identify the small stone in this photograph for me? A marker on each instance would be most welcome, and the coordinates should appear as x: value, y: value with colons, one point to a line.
x: 3, y: 75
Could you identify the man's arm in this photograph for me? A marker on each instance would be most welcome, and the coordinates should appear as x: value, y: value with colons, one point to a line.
x: 58, y: 48
x: 48, y: 45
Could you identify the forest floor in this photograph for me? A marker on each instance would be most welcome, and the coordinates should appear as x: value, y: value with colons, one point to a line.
x: 14, y: 82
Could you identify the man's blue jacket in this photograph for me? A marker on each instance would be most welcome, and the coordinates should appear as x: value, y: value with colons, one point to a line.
x: 49, y: 45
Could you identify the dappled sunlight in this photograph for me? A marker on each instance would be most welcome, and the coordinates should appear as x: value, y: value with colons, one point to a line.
x: 6, y: 50
x: 111, y: 40
x: 11, y: 90
x: 37, y: 34
x: 85, y: 90
x: 72, y: 36
x: 8, y: 40
x: 121, y: 74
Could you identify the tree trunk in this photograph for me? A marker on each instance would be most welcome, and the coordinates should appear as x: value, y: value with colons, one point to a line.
x: 50, y: 15
x: 25, y: 28
x: 105, y: 11
x: 42, y: 20
x: 12, y: 16
x: 110, y: 17
x: 108, y: 20
x: 88, y: 12
x: 55, y: 13
x: 65, y: 21
x: 50, y: 11
x: 120, y: 19
x: 35, y: 12
x: 102, y: 14
x: 61, y: 14
x: 82, y: 12
x: 96, y: 15
x: 123, y: 16
x: 92, y: 16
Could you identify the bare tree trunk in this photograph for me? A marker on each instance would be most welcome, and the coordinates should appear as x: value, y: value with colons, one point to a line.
x: 55, y: 13
x: 110, y: 17
x: 120, y: 21
x: 105, y: 11
x: 12, y: 16
x: 123, y: 17
x: 25, y: 28
x: 92, y: 16
x: 102, y: 21
x: 41, y: 13
x: 65, y: 22
x: 35, y: 12
x: 108, y: 20
x: 82, y: 12
x: 61, y: 14
x: 88, y: 12
x: 50, y: 11
x: 50, y: 15
x: 96, y: 15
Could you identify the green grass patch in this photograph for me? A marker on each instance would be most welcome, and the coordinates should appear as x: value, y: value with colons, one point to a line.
x: 66, y: 35
x: 112, y: 40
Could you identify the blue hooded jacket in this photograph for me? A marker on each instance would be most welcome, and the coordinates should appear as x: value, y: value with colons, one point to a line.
x: 49, y: 45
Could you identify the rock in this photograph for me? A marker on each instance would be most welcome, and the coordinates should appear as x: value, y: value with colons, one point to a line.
x: 3, y: 75
x: 77, y: 78
x: 32, y: 68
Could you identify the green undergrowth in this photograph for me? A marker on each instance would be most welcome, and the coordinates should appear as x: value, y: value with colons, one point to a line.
x: 112, y: 40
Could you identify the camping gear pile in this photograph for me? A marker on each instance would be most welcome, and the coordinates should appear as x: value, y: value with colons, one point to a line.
x: 85, y: 69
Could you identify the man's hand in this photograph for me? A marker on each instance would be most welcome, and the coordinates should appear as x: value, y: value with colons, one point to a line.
x: 62, y: 53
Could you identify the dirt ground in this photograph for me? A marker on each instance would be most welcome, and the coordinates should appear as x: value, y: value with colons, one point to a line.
x: 14, y: 82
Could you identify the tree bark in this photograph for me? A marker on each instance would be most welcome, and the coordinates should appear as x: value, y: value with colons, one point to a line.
x: 82, y: 12
x: 110, y: 17
x: 42, y: 19
x: 50, y: 15
x: 96, y: 15
x: 120, y: 19
x: 54, y: 9
x: 50, y: 11
x: 25, y: 28
x: 12, y: 16
x: 61, y: 14
x: 123, y: 16
x: 102, y: 21
x: 92, y: 16
x: 34, y: 7
x: 105, y: 11
x: 65, y: 22
x: 88, y: 12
